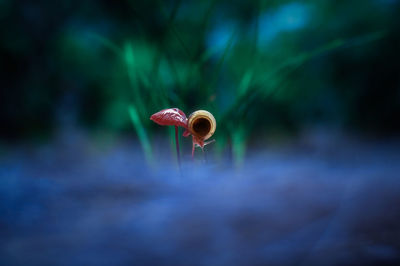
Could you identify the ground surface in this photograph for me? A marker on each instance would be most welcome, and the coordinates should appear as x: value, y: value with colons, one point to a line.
x: 319, y: 201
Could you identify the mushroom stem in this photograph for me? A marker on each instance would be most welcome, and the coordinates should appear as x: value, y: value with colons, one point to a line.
x: 177, y: 146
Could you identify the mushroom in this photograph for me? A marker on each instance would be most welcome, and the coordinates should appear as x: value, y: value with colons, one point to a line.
x: 201, y: 125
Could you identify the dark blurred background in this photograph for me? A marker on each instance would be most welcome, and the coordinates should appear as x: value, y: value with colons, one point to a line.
x: 306, y: 95
x: 258, y: 66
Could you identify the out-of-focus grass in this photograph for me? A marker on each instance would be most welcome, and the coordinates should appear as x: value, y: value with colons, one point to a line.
x: 142, y: 134
x: 258, y: 66
x: 160, y: 77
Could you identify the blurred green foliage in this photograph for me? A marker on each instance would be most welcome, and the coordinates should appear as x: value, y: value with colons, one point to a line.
x: 258, y: 66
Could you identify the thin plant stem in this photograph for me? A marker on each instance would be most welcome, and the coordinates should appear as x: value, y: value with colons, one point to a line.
x: 204, y: 155
x: 178, y: 154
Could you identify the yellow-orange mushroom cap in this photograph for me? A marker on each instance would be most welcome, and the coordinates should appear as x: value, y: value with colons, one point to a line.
x: 202, y: 124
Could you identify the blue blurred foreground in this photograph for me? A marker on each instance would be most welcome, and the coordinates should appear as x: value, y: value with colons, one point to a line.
x: 320, y: 200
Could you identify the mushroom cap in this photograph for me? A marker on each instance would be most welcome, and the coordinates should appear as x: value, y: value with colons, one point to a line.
x: 170, y: 117
x: 202, y: 124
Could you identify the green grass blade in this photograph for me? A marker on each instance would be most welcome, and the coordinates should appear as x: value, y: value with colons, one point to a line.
x: 238, y: 145
x: 142, y: 135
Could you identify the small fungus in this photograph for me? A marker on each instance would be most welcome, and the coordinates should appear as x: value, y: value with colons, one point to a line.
x: 201, y: 125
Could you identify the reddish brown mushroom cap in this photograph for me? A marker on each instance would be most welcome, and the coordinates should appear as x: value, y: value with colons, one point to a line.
x: 170, y: 117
